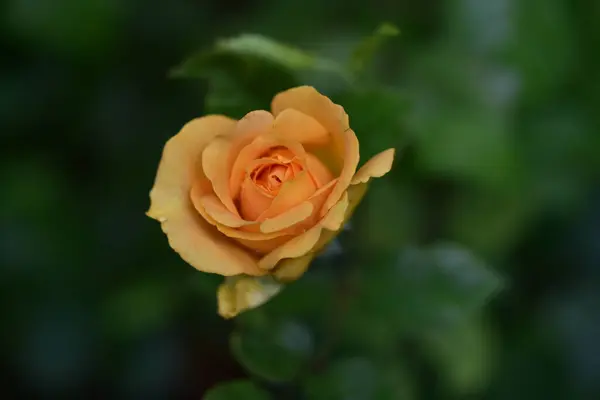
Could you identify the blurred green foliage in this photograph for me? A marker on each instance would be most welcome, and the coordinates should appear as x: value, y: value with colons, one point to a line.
x: 472, y: 270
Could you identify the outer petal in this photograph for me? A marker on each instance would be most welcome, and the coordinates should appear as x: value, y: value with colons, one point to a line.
x: 295, y: 125
x: 214, y: 164
x: 351, y: 158
x: 333, y: 118
x: 376, y: 167
x: 355, y: 195
x: 292, y: 268
x: 288, y: 218
x: 310, y: 102
x: 196, y: 241
x: 304, y: 243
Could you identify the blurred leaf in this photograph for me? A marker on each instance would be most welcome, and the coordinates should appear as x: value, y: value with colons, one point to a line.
x: 432, y: 288
x: 274, y: 351
x: 252, y: 46
x: 466, y: 143
x: 359, y: 379
x: 237, y: 390
x: 366, y: 49
x: 463, y: 355
x: 244, y: 72
x: 278, y: 53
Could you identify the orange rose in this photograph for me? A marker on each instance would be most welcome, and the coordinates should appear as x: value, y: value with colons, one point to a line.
x: 262, y: 195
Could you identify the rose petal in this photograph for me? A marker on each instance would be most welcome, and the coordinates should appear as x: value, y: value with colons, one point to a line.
x: 256, y: 150
x: 335, y: 219
x: 290, y: 194
x: 305, y: 242
x: 355, y: 195
x: 376, y: 167
x: 215, y: 166
x: 310, y: 102
x: 264, y: 246
x: 253, y: 201
x: 351, y: 158
x: 333, y: 118
x: 241, y: 293
x: 292, y: 268
x: 295, y: 125
x: 318, y: 170
x: 196, y: 241
x: 215, y: 209
x: 288, y: 218
x: 219, y: 155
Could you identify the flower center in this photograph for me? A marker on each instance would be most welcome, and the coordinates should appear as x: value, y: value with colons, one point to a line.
x: 277, y: 166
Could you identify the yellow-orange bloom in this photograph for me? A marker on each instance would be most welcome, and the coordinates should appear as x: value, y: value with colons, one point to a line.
x: 262, y: 195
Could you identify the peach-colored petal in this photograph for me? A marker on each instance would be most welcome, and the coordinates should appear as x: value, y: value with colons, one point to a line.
x: 290, y: 269
x: 351, y: 158
x: 214, y: 164
x: 248, y: 236
x: 297, y: 247
x: 318, y: 170
x: 295, y: 125
x: 334, y: 220
x: 288, y: 218
x: 220, y: 214
x: 355, y: 195
x: 253, y: 200
x: 310, y: 102
x: 255, y: 240
x: 330, y: 115
x: 197, y: 242
x: 333, y: 118
x: 290, y: 194
x: 376, y: 167
x: 264, y: 246
x: 252, y: 125
x: 305, y: 242
x: 254, y: 151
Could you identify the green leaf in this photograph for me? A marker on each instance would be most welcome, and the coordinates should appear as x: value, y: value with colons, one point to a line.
x: 236, y: 390
x: 244, y: 72
x: 464, y: 355
x: 427, y: 289
x: 359, y: 379
x: 275, y: 52
x: 366, y: 49
x: 257, y: 47
x: 273, y: 351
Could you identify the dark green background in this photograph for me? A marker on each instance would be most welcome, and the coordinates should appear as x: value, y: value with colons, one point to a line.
x: 494, y: 107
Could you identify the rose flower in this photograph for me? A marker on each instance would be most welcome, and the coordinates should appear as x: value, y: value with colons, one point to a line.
x: 262, y: 195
